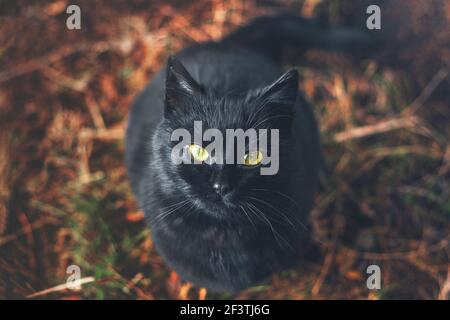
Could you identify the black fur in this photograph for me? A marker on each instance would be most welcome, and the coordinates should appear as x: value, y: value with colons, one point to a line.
x: 258, y: 225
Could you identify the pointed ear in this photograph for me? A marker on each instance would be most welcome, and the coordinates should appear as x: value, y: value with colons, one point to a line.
x: 179, y: 83
x: 284, y: 90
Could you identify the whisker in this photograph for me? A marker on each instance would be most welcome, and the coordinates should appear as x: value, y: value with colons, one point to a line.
x: 163, y: 215
x: 280, y: 213
x: 276, y: 235
x: 296, y: 219
x: 247, y: 215
x: 280, y: 193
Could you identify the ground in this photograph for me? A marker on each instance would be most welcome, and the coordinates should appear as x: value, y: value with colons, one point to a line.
x: 65, y: 198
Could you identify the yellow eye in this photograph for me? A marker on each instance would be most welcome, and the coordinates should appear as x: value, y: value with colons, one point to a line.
x: 198, y: 153
x: 253, y: 158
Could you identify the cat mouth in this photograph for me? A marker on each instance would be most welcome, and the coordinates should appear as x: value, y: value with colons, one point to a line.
x: 226, y: 200
x: 217, y: 203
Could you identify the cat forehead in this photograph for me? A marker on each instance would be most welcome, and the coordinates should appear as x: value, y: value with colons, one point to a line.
x: 219, y: 113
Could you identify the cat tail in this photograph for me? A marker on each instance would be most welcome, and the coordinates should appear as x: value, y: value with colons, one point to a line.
x: 268, y: 35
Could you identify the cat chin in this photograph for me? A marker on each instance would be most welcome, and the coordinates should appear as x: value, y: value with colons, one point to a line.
x: 221, y: 209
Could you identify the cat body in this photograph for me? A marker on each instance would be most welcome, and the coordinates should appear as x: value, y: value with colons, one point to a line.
x: 226, y: 227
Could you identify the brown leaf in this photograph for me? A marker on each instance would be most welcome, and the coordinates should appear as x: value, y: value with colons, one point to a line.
x: 108, y: 86
x: 135, y: 216
x: 353, y: 275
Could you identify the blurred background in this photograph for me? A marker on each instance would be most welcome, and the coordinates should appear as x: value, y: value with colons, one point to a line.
x: 65, y: 198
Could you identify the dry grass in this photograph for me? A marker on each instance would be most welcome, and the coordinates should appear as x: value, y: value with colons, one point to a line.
x: 64, y: 194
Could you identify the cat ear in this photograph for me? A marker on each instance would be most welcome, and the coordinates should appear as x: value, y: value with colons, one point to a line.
x: 284, y: 90
x: 179, y: 83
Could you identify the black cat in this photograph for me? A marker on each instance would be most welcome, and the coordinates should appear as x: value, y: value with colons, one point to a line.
x: 226, y: 227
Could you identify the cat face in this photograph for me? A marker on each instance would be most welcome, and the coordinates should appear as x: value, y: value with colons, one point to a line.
x: 222, y: 187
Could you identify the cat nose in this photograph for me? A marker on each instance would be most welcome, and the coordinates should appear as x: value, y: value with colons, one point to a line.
x: 220, y: 188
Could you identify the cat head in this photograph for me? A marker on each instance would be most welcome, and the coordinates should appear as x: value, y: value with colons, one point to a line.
x: 215, y: 186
